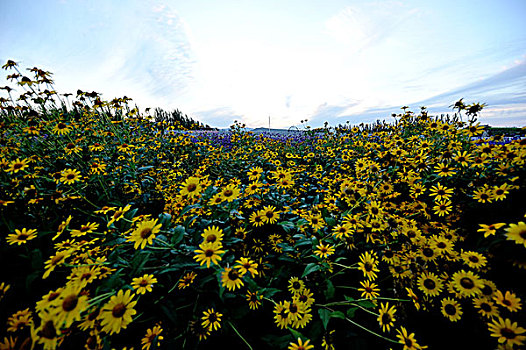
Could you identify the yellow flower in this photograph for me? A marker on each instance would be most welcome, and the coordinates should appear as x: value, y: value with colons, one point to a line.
x: 300, y: 345
x: 17, y: 165
x: 508, y: 333
x: 117, y: 313
x: 211, y: 320
x: 490, y: 229
x: 143, y: 284
x: 21, y: 237
x: 517, y: 233
x: 231, y: 278
x: 324, y: 251
x: 144, y: 233
x: 245, y: 265
x: 70, y: 176
x: 386, y: 317
x: 151, y: 335
x: 209, y: 253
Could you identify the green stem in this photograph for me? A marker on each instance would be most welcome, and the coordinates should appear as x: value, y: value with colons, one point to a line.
x: 239, y: 334
x: 367, y: 329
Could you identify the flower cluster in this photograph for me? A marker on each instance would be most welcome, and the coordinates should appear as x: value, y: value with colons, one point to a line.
x: 122, y: 231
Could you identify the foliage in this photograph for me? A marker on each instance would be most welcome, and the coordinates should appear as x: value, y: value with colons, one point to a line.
x: 121, y: 232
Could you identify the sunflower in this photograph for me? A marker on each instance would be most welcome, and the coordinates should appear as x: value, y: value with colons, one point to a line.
x: 69, y: 306
x: 369, y: 290
x: 117, y: 313
x: 186, y: 280
x: 474, y: 260
x: 118, y: 214
x: 47, y: 333
x: 440, y: 192
x: 254, y: 173
x: 451, y: 309
x: 467, y: 283
x: 85, y: 229
x: 191, y: 187
x: 517, y: 233
x: 269, y: 214
x: 483, y: 195
x: 305, y: 296
x: 508, y: 333
x: 151, y: 336
x: 324, y: 250
x: 62, y: 128
x: 500, y: 192
x: 509, y: 300
x: 245, y: 265
x: 256, y: 219
x: 70, y: 176
x: 17, y: 165
x: 386, y: 317
x: 19, y: 320
x: 342, y: 230
x: 486, y: 308
x: 443, y: 208
x: 212, y: 234
x: 368, y: 265
x: 211, y: 320
x: 408, y: 340
x: 58, y: 259
x: 444, y: 170
x: 143, y: 284
x: 316, y: 221
x: 21, y: 237
x: 281, y: 315
x: 231, y: 278
x: 209, y: 252
x: 253, y: 299
x: 295, y: 285
x: 145, y: 233
x: 489, y: 230
x: 300, y: 345
x: 430, y: 284
x: 230, y: 193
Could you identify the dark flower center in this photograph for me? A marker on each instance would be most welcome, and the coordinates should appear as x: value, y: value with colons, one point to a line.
x: 508, y: 333
x: 70, y: 303
x: 233, y: 275
x: 209, y: 253
x: 450, y: 309
x: 428, y: 252
x: 191, y: 187
x: 118, y: 310
x: 48, y: 330
x: 146, y: 232
x: 429, y: 284
x: 467, y: 283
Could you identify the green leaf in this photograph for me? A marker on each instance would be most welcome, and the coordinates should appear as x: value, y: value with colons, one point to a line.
x: 310, y: 268
x: 348, y: 298
x: 329, y: 292
x: 350, y: 311
x: 366, y: 303
x: 178, y: 234
x: 324, y: 316
x: 296, y: 334
x: 337, y: 314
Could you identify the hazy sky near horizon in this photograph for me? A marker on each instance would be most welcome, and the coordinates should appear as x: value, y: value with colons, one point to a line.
x: 333, y: 60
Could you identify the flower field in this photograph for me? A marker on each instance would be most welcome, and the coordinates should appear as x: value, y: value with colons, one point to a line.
x: 118, y: 232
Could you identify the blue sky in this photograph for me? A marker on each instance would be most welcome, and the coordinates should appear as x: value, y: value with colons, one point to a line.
x: 335, y: 61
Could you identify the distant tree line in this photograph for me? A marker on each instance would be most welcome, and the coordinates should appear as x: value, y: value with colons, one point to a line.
x: 176, y: 119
